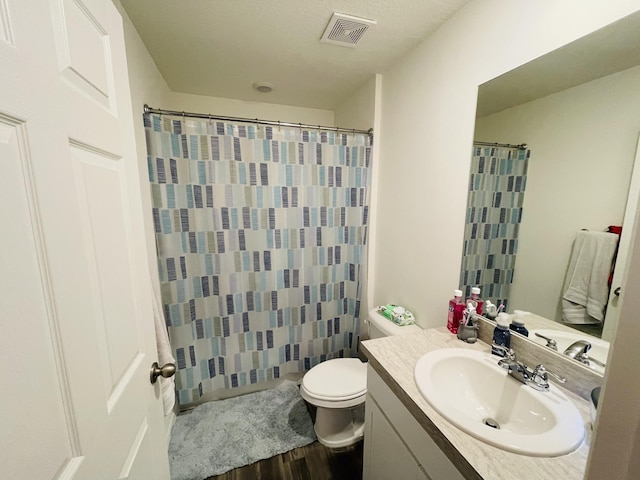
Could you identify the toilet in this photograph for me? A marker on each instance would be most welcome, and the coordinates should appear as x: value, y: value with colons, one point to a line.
x: 338, y: 389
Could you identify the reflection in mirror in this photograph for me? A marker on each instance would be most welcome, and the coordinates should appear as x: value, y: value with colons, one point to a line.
x: 577, y: 109
x: 497, y: 183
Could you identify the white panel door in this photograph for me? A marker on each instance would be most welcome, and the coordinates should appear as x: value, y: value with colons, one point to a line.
x: 622, y: 261
x: 76, y: 327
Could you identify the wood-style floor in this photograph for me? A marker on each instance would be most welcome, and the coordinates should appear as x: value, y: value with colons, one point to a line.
x: 312, y: 462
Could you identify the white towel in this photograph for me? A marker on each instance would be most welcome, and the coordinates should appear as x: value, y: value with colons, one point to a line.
x: 586, y: 287
x: 167, y: 385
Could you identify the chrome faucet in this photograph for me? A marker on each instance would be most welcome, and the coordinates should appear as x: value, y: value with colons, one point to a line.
x: 579, y: 351
x: 538, y: 378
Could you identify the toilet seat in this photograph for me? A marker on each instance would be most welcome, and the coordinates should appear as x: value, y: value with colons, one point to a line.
x: 338, y: 380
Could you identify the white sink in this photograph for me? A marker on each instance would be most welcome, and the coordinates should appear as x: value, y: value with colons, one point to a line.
x: 470, y: 390
x: 599, y: 348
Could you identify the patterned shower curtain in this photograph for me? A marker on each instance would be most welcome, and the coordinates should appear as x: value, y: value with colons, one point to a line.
x: 261, y: 235
x: 494, y: 212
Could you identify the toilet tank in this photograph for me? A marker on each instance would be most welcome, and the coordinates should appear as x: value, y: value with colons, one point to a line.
x: 379, y: 326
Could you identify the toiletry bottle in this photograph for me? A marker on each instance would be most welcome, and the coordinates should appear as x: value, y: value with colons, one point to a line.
x: 456, y: 308
x: 468, y: 328
x: 490, y: 310
x: 475, y: 299
x: 468, y: 315
x: 517, y: 322
x: 501, y: 334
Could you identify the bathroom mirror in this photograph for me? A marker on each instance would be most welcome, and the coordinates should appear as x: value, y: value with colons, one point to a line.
x: 577, y: 109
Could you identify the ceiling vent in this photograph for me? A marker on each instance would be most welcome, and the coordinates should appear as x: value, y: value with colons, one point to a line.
x: 345, y: 30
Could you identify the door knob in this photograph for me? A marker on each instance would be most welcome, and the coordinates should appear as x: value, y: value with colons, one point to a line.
x: 166, y: 371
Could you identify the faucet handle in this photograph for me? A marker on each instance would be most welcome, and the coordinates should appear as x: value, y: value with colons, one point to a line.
x: 540, y: 378
x: 551, y: 343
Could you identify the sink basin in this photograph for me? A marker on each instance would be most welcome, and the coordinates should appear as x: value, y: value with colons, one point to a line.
x: 599, y: 348
x: 470, y: 390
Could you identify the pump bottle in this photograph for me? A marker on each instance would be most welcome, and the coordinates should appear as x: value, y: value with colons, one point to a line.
x: 517, y: 322
x: 456, y: 309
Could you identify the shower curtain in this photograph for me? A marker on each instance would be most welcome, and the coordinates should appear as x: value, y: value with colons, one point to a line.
x: 261, y: 235
x: 494, y: 211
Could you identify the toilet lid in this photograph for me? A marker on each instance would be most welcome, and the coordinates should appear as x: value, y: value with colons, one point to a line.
x: 339, y: 378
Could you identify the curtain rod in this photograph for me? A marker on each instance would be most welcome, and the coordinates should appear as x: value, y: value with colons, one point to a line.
x: 522, y: 146
x: 148, y: 109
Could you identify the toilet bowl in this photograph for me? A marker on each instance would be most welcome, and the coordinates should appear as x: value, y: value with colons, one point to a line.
x: 338, y: 388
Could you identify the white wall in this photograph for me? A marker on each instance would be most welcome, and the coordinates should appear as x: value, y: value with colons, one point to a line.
x: 362, y: 111
x: 582, y: 143
x: 230, y: 107
x: 358, y: 110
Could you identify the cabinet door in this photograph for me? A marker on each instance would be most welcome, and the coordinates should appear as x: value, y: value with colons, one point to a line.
x: 76, y: 323
x: 386, y: 455
x: 414, y: 438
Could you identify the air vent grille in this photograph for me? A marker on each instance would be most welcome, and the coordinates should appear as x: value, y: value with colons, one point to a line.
x: 345, y: 30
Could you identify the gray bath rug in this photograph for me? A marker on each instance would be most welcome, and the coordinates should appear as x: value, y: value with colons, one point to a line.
x: 219, y: 436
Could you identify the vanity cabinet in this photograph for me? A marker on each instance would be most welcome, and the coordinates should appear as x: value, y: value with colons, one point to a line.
x: 395, y: 445
x: 386, y: 455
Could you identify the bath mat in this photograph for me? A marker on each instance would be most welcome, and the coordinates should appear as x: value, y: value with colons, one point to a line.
x: 218, y: 436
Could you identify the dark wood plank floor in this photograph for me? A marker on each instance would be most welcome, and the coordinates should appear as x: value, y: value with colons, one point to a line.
x: 312, y: 462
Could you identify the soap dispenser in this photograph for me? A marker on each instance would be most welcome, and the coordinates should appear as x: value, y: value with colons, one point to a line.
x: 468, y: 329
x: 501, y: 334
x: 517, y: 323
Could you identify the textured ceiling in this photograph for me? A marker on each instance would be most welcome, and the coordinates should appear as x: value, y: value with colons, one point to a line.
x: 220, y: 48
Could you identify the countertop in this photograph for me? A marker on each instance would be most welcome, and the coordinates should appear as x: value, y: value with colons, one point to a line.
x: 394, y: 358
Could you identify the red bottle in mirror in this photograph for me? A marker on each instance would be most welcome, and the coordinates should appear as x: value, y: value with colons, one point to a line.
x: 475, y: 300
x: 456, y: 309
